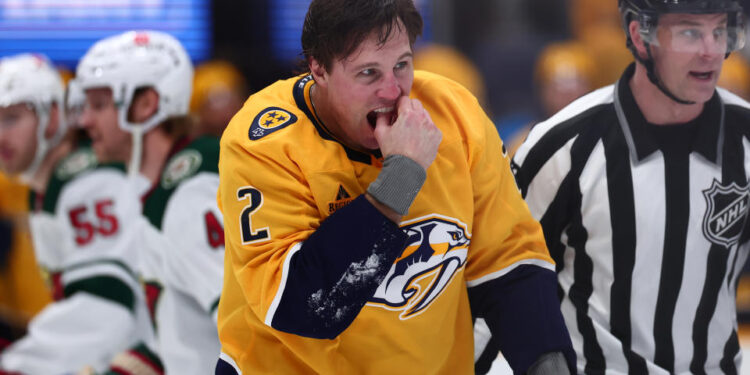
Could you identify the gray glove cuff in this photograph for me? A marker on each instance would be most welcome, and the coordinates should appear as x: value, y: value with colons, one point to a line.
x: 549, y: 364
x: 398, y: 183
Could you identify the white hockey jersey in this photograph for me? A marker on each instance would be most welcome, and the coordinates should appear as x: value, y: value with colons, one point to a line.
x: 82, y: 238
x: 184, y: 240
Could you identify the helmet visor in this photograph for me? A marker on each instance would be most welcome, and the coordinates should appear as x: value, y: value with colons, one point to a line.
x: 693, y: 33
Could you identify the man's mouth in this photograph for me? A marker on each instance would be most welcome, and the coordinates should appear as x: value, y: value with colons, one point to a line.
x: 372, y: 116
x: 703, y: 76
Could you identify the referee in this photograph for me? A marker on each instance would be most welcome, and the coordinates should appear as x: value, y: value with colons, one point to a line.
x: 642, y: 190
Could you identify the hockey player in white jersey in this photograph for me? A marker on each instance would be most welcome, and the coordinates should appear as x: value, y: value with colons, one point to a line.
x: 76, y: 228
x: 137, y: 87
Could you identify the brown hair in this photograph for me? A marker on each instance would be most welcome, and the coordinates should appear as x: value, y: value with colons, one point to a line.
x: 174, y: 126
x: 335, y: 28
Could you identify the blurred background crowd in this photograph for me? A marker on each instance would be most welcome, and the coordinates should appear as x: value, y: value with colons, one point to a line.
x: 523, y: 59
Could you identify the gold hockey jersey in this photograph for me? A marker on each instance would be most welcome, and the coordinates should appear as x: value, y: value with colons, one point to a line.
x: 282, y: 174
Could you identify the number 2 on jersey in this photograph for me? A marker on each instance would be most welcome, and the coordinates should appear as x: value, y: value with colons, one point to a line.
x: 256, y: 201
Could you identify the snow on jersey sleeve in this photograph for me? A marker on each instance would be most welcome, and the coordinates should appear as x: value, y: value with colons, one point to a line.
x: 288, y: 261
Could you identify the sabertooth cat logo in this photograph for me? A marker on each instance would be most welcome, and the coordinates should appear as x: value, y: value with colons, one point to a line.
x: 437, y: 250
x: 726, y: 211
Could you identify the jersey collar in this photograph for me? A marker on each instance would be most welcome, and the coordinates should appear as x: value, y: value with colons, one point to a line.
x: 709, y: 135
x: 301, y: 92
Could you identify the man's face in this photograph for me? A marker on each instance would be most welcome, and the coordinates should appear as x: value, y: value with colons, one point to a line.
x: 366, y: 83
x: 690, y: 53
x: 100, y: 120
x: 18, y: 129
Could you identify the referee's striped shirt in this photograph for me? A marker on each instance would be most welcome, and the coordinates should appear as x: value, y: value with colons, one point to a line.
x: 647, y: 226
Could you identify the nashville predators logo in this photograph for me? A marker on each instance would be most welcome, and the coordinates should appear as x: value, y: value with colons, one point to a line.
x: 726, y: 212
x: 270, y: 120
x: 437, y: 250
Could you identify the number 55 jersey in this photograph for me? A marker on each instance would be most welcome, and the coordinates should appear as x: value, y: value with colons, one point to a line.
x: 84, y: 241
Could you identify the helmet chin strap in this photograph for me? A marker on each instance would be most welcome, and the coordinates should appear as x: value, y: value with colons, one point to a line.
x: 651, y: 72
x: 136, y: 152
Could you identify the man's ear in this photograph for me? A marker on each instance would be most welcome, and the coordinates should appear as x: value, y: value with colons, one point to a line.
x: 144, y: 105
x: 319, y: 72
x: 53, y: 122
x: 638, y: 43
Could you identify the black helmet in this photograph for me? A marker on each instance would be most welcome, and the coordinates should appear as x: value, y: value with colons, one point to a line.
x: 647, y: 13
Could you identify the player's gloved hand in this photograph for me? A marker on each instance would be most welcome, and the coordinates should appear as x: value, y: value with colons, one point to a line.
x: 413, y: 134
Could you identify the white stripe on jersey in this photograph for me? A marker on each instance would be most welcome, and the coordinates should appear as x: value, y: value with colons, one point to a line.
x: 601, y: 96
x: 284, y: 275
x: 226, y: 358
x: 497, y: 274
x: 554, y: 170
x: 650, y: 202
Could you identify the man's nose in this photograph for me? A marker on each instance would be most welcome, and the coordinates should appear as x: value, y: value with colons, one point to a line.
x: 84, y: 117
x: 390, y: 88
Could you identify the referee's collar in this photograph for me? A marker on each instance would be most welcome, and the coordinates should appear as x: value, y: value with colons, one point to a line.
x: 708, y: 135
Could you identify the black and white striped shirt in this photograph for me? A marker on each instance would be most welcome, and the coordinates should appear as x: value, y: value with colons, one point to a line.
x: 647, y: 225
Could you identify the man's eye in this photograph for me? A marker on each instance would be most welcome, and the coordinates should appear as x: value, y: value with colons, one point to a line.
x: 692, y: 33
x: 401, y: 65
x: 9, y: 119
x: 367, y: 72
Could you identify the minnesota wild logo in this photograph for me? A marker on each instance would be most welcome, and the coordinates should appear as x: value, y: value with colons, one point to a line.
x: 182, y: 165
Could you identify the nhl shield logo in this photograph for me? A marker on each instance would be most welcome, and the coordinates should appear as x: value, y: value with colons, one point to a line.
x: 726, y: 211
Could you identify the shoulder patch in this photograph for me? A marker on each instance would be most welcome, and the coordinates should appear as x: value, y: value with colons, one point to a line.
x: 270, y: 120
x: 77, y: 162
x: 182, y: 165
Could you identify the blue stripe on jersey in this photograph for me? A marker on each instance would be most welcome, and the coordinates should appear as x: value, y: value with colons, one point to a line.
x: 337, y: 270
x: 223, y: 368
x: 483, y: 364
x: 523, y: 314
x: 6, y: 241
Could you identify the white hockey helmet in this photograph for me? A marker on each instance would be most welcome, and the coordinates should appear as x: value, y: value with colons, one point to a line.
x: 31, y: 79
x: 137, y: 59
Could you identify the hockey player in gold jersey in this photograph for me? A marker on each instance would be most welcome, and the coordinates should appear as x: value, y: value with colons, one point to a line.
x: 370, y: 212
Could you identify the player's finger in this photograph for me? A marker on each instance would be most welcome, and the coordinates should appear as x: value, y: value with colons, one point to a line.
x: 383, y: 119
x: 404, y: 104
